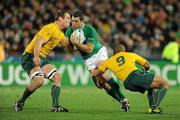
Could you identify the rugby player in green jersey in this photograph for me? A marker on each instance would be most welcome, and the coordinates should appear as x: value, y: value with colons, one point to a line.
x: 94, y: 53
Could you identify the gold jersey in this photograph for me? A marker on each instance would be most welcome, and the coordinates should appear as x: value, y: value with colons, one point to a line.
x: 52, y: 35
x: 122, y: 64
x: 2, y: 52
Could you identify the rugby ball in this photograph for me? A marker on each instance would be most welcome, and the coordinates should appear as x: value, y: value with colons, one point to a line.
x: 79, y: 35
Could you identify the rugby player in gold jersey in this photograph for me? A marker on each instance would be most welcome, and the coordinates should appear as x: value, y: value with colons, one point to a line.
x: 36, y: 65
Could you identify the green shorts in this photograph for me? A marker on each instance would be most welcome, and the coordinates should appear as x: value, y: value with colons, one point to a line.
x: 139, y: 81
x: 27, y: 62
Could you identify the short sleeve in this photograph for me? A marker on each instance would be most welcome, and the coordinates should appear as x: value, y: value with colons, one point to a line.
x: 140, y: 60
x: 91, y: 36
x: 68, y: 32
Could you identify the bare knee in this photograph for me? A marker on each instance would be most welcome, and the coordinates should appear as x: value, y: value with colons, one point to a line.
x: 166, y: 83
x: 159, y: 81
x: 37, y: 82
x: 56, y: 79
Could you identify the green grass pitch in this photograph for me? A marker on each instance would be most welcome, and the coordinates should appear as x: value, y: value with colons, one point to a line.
x: 85, y: 103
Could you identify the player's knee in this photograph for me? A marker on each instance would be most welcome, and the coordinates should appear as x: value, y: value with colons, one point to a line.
x: 40, y: 82
x: 165, y: 83
x: 56, y: 79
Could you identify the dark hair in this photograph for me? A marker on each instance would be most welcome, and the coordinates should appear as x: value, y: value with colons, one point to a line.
x: 60, y: 13
x: 119, y: 48
x: 79, y: 14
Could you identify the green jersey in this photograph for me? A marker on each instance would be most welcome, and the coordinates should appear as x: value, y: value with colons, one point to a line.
x: 90, y: 37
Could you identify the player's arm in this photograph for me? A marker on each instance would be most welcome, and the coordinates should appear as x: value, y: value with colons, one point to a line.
x: 88, y: 47
x: 146, y: 65
x: 43, y: 36
x: 68, y: 34
x: 37, y: 47
x: 143, y: 62
x: 66, y: 44
x: 101, y: 68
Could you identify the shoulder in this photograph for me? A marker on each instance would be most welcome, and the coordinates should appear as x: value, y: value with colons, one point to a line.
x: 69, y: 28
x: 131, y: 53
x: 50, y: 25
x: 89, y: 27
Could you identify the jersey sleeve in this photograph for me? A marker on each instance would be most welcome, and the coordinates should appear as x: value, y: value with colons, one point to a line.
x: 103, y: 66
x: 139, y: 60
x: 68, y: 32
x: 91, y: 36
x: 46, y: 32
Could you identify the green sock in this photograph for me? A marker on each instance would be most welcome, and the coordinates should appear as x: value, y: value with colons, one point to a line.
x: 26, y: 94
x: 158, y: 95
x: 115, y: 92
x: 55, y: 92
x: 150, y: 97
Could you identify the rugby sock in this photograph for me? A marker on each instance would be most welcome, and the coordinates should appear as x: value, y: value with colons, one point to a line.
x: 55, y: 92
x: 114, y: 91
x: 150, y: 97
x: 26, y: 94
x: 158, y: 95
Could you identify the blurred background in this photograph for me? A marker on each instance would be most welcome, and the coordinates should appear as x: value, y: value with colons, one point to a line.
x: 143, y: 26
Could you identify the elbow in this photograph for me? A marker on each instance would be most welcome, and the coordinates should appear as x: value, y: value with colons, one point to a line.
x: 89, y: 49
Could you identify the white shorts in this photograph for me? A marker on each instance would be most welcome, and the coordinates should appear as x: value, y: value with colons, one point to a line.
x: 101, y: 55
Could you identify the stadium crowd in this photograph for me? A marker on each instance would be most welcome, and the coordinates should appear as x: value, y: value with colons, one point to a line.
x: 143, y: 26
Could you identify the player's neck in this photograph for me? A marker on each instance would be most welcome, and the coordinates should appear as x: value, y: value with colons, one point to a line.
x: 60, y: 26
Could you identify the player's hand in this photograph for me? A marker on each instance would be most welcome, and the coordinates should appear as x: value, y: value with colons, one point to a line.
x: 73, y: 40
x: 99, y: 37
x: 37, y: 61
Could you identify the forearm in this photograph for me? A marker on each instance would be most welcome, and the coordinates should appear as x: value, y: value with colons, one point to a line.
x: 96, y: 72
x: 84, y: 47
x: 37, y: 47
x: 146, y: 66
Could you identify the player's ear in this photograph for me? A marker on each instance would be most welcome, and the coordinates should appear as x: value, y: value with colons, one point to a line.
x: 60, y: 18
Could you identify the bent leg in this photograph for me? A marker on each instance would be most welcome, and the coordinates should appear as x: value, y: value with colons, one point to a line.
x: 37, y: 80
x: 160, y: 86
x: 110, y: 85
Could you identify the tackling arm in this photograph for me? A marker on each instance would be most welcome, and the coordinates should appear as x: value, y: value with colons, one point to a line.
x: 66, y: 44
x: 146, y: 66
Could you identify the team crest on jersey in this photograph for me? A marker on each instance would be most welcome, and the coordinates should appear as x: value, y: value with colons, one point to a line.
x: 55, y: 38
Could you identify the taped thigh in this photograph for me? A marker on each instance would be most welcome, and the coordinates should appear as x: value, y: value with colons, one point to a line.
x: 51, y: 74
x: 36, y: 74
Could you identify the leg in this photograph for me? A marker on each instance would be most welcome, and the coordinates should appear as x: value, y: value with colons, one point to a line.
x: 159, y: 88
x: 112, y: 88
x: 38, y: 79
x: 52, y: 74
x: 162, y: 86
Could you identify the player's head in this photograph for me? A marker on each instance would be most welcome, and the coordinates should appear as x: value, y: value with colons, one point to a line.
x: 77, y: 19
x: 63, y: 18
x: 119, y: 48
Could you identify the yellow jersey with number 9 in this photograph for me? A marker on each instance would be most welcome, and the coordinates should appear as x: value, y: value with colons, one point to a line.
x: 122, y: 64
x: 52, y: 35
